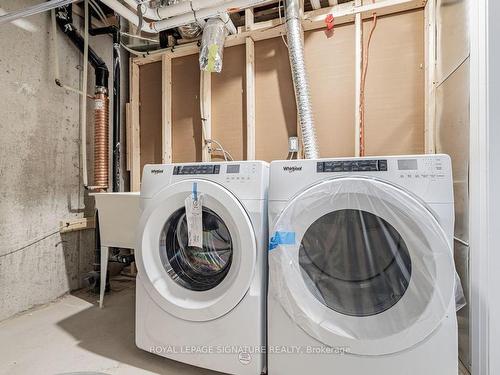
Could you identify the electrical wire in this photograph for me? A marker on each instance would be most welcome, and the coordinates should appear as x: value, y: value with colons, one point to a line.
x: 206, y: 140
x: 225, y: 153
x: 140, y: 37
x: 97, y: 8
x: 140, y: 53
x: 366, y: 55
x: 132, y: 51
x: 281, y: 22
x: 31, y: 243
x: 202, y: 111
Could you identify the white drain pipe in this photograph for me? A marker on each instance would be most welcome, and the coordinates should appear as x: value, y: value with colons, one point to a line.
x: 147, y: 12
x: 129, y: 15
x: 300, y: 80
x: 178, y: 9
x: 220, y: 12
x: 176, y: 18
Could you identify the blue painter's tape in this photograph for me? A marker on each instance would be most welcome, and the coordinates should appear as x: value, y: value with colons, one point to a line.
x: 195, y: 191
x: 281, y: 238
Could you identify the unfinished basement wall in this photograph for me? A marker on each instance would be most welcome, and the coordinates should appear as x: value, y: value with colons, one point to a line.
x: 40, y: 175
x: 395, y: 95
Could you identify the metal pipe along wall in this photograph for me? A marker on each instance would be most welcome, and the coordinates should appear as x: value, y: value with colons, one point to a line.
x: 101, y: 140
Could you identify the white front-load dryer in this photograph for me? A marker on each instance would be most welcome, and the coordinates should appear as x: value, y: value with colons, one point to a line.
x: 362, y: 277
x: 205, y: 306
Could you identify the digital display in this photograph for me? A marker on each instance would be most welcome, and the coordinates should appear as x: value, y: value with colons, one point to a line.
x: 234, y: 168
x: 407, y: 164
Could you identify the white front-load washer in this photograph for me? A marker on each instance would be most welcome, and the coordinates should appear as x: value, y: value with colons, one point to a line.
x: 361, y: 271
x: 205, y: 306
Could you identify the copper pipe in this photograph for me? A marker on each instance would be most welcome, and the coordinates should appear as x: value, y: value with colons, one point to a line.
x: 101, y: 140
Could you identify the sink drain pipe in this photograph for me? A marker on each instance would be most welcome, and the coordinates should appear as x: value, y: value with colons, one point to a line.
x: 300, y: 79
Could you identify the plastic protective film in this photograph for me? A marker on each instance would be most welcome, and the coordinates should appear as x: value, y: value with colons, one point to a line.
x: 212, y: 45
x: 196, y: 268
x: 356, y: 248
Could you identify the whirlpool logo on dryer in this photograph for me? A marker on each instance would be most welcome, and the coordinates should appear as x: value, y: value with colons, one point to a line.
x: 293, y: 168
x: 156, y: 171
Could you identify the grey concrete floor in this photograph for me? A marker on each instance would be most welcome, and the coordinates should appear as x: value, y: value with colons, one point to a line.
x: 72, y: 335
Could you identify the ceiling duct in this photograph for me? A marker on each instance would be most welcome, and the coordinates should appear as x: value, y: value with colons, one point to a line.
x: 190, y: 30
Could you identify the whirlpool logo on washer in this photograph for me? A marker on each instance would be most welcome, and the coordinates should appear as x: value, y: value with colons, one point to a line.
x: 293, y: 168
x: 156, y: 171
x: 245, y: 358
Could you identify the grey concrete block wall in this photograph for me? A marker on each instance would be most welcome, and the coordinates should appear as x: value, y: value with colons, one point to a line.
x: 40, y: 169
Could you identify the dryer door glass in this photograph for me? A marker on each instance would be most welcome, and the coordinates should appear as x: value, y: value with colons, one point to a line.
x: 361, y: 263
x: 195, y: 268
x: 355, y: 262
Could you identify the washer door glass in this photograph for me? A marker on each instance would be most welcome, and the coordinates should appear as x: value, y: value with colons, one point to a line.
x: 195, y: 268
x: 355, y: 262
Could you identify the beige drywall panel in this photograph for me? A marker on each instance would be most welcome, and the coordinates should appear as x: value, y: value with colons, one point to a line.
x: 228, y: 104
x: 395, y: 116
x: 275, y: 113
x: 330, y: 64
x: 150, y: 113
x: 186, y: 120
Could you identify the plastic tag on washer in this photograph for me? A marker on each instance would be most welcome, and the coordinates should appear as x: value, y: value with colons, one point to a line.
x: 194, y: 217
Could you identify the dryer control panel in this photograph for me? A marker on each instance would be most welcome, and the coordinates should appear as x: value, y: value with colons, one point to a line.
x: 352, y: 166
x: 427, y: 176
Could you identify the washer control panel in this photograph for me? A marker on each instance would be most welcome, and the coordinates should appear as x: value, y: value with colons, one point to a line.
x: 229, y: 173
x: 240, y: 173
x: 352, y: 166
x: 196, y: 169
x: 245, y: 179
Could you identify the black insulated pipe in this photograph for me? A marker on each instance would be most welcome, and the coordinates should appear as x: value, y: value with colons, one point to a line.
x: 64, y: 17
